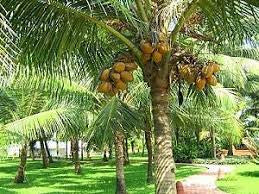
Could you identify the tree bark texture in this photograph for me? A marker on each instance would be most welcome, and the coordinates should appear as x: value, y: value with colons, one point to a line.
x: 164, y: 163
x: 20, y: 177
x: 48, y: 152
x: 120, y: 179
x: 105, y: 159
x: 148, y: 138
x: 110, y: 151
x: 82, y: 150
x: 45, y: 160
x: 126, y: 152
x: 75, y: 151
x: 213, y: 143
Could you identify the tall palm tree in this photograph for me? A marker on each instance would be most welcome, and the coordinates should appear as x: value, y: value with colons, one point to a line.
x: 94, y: 32
x: 114, y: 120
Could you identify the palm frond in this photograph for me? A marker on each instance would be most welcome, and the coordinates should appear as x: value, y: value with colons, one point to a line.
x: 50, y: 121
x: 8, y: 49
x: 115, y: 115
x: 231, y: 23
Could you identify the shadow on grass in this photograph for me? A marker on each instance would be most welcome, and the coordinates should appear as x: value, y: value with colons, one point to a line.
x: 250, y: 173
x: 96, y: 177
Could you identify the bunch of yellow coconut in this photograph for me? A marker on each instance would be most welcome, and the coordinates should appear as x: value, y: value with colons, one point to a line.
x: 115, y: 79
x: 200, y: 75
x: 154, y: 53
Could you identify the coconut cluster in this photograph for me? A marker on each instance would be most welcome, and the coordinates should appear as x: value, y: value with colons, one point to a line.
x: 116, y: 79
x: 199, y: 75
x: 154, y: 53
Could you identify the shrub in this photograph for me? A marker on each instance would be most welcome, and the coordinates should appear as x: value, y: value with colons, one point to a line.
x: 228, y: 160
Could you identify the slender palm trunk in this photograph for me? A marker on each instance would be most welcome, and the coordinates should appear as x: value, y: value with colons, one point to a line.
x: 43, y: 154
x: 143, y: 145
x: 75, y: 151
x: 148, y: 138
x: 72, y: 149
x: 47, y: 150
x: 213, y: 141
x: 66, y: 150
x: 126, y: 152
x: 20, y: 177
x: 57, y: 143
x: 32, y: 150
x: 88, y: 151
x: 105, y: 159
x: 82, y: 150
x: 132, y: 147
x: 120, y: 179
x: 110, y: 151
x: 230, y: 148
x: 165, y: 167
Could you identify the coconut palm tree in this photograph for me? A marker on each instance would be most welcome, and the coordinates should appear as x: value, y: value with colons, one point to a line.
x: 114, y: 121
x: 28, y: 126
x: 94, y: 32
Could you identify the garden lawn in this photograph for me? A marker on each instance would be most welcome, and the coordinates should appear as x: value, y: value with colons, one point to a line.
x: 243, y: 180
x: 97, y: 177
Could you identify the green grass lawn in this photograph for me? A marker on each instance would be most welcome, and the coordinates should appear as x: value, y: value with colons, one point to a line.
x: 97, y: 177
x: 243, y: 180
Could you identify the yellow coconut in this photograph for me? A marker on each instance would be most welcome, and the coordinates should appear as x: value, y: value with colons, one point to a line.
x: 212, y: 80
x: 200, y: 83
x: 115, y: 76
x: 216, y: 67
x: 162, y: 47
x: 145, y: 58
x: 146, y: 47
x: 184, y: 71
x: 190, y: 78
x: 105, y: 75
x: 207, y: 71
x: 126, y: 76
x: 120, y: 85
x: 157, y: 57
x: 105, y: 87
x: 131, y: 66
x: 113, y: 92
x: 119, y: 67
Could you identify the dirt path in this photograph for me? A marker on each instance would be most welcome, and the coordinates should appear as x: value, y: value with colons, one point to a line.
x: 205, y: 183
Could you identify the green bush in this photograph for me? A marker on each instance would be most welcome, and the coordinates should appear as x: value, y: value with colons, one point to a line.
x: 228, y: 160
x: 187, y: 151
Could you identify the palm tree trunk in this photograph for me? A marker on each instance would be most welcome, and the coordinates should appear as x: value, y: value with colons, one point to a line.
x: 143, y: 145
x: 82, y: 150
x: 126, y: 152
x: 75, y: 151
x: 88, y: 156
x: 31, y: 144
x: 120, y: 180
x: 230, y: 148
x: 110, y: 151
x: 148, y: 137
x: 165, y: 167
x: 48, y: 152
x: 105, y: 159
x: 57, y: 143
x: 43, y: 154
x: 72, y: 149
x: 213, y: 140
x: 20, y: 177
x: 132, y: 147
x: 66, y: 150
